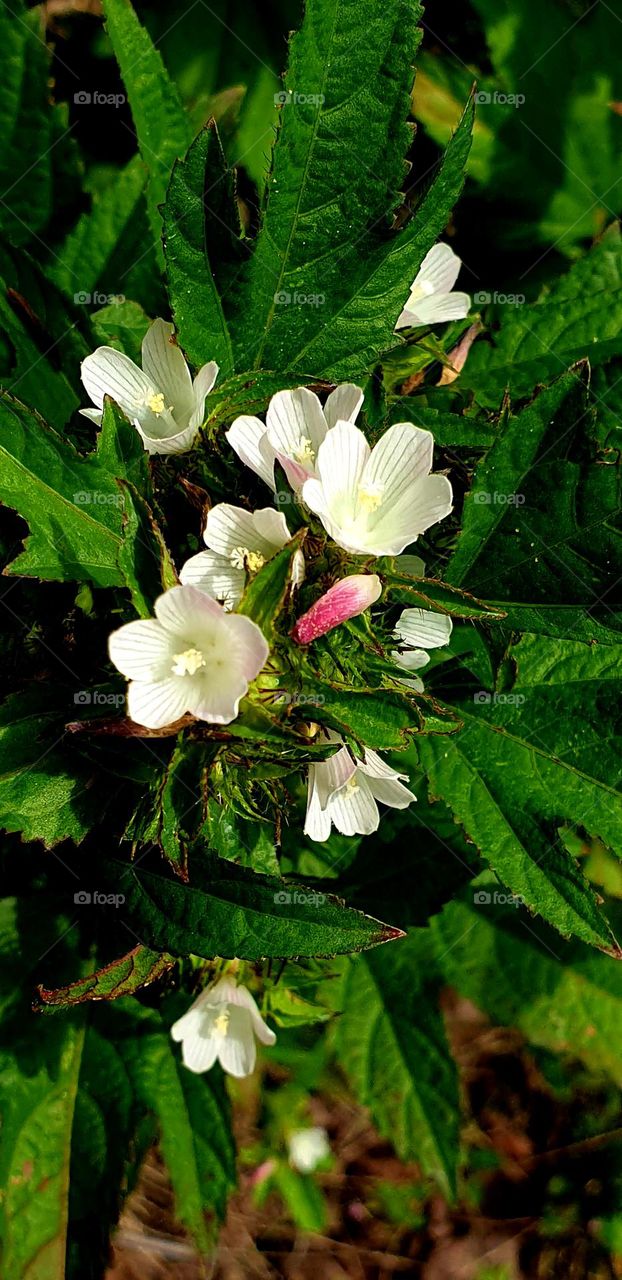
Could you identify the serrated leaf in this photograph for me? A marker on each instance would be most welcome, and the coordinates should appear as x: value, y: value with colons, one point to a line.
x: 580, y: 314
x: 228, y: 911
x: 562, y: 995
x: 541, y: 526
x: 391, y: 1042
x: 522, y: 764
x: 201, y: 244
x: 162, y: 127
x: 122, y: 977
x: 339, y: 115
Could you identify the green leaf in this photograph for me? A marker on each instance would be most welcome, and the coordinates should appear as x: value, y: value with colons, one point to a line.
x: 430, y: 593
x: 541, y: 524
x: 562, y: 995
x: 193, y: 1117
x: 359, y: 328
x: 31, y: 128
x: 110, y: 243
x: 580, y: 314
x: 343, y: 129
x: 523, y: 763
x: 240, y: 840
x: 376, y: 718
x: 122, y: 325
x: 265, y: 595
x: 43, y: 339
x: 161, y: 125
x: 391, y: 1042
x: 46, y: 792
x: 201, y: 245
x: 228, y: 911
x: 122, y: 977
x: 83, y: 525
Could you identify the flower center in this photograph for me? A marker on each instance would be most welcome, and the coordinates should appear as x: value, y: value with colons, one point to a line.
x: 303, y: 451
x: 188, y: 662
x: 154, y: 400
x: 242, y: 558
x: 221, y: 1023
x: 370, y: 495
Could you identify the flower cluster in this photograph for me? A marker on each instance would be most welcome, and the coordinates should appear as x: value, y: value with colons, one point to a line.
x: 197, y: 657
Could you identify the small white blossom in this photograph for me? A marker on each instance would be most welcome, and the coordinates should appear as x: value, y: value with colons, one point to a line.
x: 420, y: 630
x: 165, y: 405
x: 431, y: 300
x: 307, y: 1148
x: 343, y: 792
x: 295, y: 426
x: 191, y: 658
x: 222, y: 1024
x: 240, y: 542
x: 377, y: 501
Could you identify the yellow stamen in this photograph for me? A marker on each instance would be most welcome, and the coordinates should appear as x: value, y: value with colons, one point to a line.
x: 370, y: 495
x: 221, y: 1023
x: 188, y: 662
x: 303, y: 451
x: 155, y: 402
x: 242, y: 558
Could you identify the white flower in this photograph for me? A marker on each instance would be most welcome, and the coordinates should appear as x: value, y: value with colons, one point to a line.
x: 420, y: 630
x: 162, y: 401
x: 307, y: 1148
x: 431, y: 299
x: 192, y: 657
x: 296, y: 424
x: 343, y: 792
x: 240, y: 543
x: 222, y: 1023
x: 377, y: 501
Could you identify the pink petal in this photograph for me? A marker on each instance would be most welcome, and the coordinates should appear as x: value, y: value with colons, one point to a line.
x: 346, y: 599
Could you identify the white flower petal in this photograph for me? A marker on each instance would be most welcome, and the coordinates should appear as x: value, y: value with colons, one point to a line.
x: 424, y: 629
x: 317, y: 822
x: 230, y: 528
x: 166, y: 369
x: 373, y: 766
x: 216, y: 575
x: 435, y: 310
x: 156, y: 705
x: 438, y: 271
x: 141, y: 650
x: 199, y: 1052
x: 248, y: 645
x: 343, y: 404
x: 236, y: 1050
x: 183, y: 610
x: 215, y: 695
x: 240, y: 995
x: 353, y: 810
x: 293, y: 418
x: 201, y: 388
x: 402, y: 455
x: 340, y: 464
x: 246, y: 437
x: 411, y: 661
x: 94, y: 415
x: 111, y: 373
x: 391, y: 792
x: 164, y: 444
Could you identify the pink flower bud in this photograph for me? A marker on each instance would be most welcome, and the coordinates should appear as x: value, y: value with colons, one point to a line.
x: 349, y: 597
